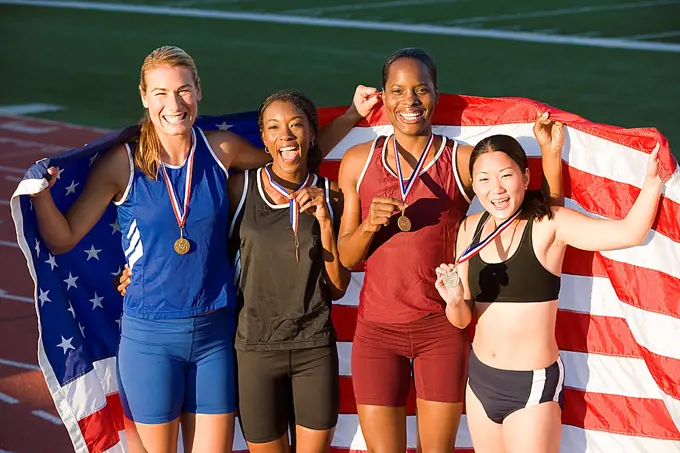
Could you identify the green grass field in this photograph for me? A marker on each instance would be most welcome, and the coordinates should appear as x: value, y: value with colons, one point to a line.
x: 88, y: 61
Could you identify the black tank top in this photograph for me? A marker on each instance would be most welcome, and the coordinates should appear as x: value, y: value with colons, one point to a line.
x: 520, y: 278
x: 283, y: 304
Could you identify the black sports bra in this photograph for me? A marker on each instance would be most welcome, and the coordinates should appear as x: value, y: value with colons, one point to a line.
x: 520, y: 278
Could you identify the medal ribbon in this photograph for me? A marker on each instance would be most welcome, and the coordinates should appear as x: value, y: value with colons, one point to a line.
x: 473, y: 250
x: 181, y: 216
x: 416, y: 171
x: 293, y: 205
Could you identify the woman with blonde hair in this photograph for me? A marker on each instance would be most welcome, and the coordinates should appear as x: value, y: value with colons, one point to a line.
x: 175, y: 357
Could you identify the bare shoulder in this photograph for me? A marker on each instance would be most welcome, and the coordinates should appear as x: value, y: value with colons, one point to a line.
x: 357, y: 153
x: 223, y: 140
x: 465, y: 151
x: 113, y: 167
x: 468, y: 225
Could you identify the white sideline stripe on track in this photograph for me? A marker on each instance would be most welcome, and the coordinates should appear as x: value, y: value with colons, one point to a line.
x: 442, y: 30
x: 25, y: 366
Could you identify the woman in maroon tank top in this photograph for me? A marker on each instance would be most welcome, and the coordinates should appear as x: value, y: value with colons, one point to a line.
x: 402, y: 330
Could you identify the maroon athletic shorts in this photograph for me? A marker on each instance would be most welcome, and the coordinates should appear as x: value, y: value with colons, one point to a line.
x: 430, y: 350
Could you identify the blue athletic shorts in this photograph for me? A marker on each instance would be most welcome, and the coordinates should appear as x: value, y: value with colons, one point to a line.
x: 169, y: 366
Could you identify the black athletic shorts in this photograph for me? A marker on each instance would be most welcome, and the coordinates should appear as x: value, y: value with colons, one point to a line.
x: 282, y: 388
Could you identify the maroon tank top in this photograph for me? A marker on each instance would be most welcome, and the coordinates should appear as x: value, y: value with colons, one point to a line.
x: 400, y: 267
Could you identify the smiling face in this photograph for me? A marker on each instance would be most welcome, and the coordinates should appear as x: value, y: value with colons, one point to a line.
x: 499, y: 183
x: 171, y: 95
x: 410, y: 96
x: 287, y: 134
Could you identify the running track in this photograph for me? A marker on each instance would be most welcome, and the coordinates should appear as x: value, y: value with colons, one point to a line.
x: 28, y: 420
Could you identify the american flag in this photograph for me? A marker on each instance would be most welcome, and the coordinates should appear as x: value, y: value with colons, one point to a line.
x: 618, y: 324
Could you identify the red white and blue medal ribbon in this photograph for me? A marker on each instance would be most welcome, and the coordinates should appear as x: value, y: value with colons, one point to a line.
x: 181, y: 245
x: 405, y: 189
x: 404, y: 223
x: 452, y: 279
x: 293, y: 205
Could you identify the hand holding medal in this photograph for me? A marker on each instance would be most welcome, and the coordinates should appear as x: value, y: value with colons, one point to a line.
x: 448, y: 281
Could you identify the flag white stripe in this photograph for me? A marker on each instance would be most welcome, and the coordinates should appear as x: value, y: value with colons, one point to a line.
x: 106, y: 371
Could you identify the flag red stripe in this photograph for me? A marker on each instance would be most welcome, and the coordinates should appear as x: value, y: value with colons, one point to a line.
x: 643, y: 288
x: 100, y: 429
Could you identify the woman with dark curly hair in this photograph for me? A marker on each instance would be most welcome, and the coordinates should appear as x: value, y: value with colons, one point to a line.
x: 288, y: 272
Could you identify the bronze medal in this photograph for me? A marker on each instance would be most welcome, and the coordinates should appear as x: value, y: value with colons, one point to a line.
x: 182, y: 246
x: 404, y: 223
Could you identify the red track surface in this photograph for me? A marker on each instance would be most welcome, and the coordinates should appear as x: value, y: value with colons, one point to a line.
x: 22, y: 387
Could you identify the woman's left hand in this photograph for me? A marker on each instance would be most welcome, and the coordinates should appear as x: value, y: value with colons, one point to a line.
x: 549, y: 133
x: 312, y: 199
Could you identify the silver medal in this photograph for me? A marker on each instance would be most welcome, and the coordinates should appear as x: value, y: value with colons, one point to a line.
x: 451, y: 279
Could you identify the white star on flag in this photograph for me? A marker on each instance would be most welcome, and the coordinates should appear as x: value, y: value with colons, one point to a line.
x: 115, y: 226
x: 224, y: 126
x: 37, y: 248
x: 82, y: 329
x: 92, y: 253
x: 66, y: 344
x: 93, y: 159
x: 43, y: 297
x: 71, y: 281
x: 72, y: 188
x: 70, y: 308
x: 117, y: 272
x: 51, y: 262
x: 96, y: 301
x: 60, y: 171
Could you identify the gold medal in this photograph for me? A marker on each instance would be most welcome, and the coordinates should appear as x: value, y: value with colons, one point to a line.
x: 182, y: 246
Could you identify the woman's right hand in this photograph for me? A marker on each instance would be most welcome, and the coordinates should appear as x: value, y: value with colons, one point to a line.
x: 51, y: 177
x: 123, y: 280
x: 453, y: 295
x: 380, y: 212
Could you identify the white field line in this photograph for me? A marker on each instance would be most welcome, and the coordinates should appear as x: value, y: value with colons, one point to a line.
x: 12, y: 169
x: 364, y: 6
x: 8, y: 244
x: 13, y: 178
x: 666, y: 34
x: 8, y: 399
x: 441, y: 30
x: 562, y: 12
x: 28, y: 109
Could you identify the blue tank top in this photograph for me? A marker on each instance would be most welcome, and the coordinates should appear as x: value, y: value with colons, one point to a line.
x: 165, y: 284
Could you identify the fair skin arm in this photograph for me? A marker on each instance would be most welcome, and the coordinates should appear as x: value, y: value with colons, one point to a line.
x: 550, y: 137
x: 238, y: 153
x: 108, y: 178
x: 355, y: 236
x: 459, y: 303
x: 586, y: 233
x: 313, y: 201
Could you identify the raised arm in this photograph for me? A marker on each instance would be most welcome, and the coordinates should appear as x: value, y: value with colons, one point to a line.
x: 586, y: 233
x: 550, y: 137
x: 365, y: 99
x: 355, y: 236
x: 108, y: 178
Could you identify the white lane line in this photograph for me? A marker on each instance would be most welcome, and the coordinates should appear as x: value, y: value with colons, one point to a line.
x: 12, y: 169
x: 562, y: 12
x: 13, y: 178
x: 49, y: 417
x: 9, y: 244
x: 25, y: 366
x: 4, y: 202
x: 28, y: 109
x: 8, y: 399
x: 430, y: 29
x: 666, y: 34
x: 364, y: 6
x: 5, y: 295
